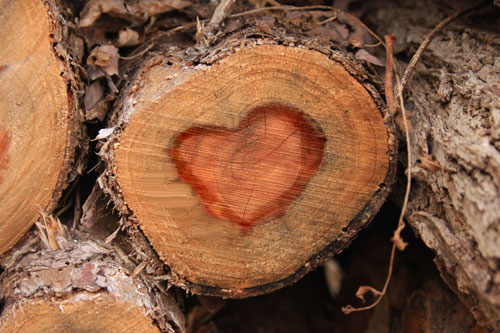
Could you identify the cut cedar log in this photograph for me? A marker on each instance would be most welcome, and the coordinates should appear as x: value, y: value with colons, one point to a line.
x: 40, y: 130
x: 248, y: 163
x: 454, y: 101
x: 81, y: 285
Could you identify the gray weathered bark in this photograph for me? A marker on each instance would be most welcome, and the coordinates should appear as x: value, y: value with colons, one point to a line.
x: 454, y: 100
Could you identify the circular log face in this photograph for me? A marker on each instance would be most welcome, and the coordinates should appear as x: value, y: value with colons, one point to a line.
x: 240, y: 172
x: 33, y: 117
x: 80, y: 313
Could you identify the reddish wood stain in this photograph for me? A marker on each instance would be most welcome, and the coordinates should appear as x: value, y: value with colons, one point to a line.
x: 250, y: 174
x: 4, y: 144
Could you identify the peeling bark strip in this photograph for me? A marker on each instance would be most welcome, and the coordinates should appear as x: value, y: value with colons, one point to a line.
x: 250, y: 175
x: 281, y: 137
x: 38, y: 108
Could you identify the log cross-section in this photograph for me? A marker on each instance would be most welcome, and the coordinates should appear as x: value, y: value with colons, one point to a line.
x: 247, y: 172
x: 39, y: 124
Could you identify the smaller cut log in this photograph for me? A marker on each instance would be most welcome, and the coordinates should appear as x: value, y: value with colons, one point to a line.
x: 40, y: 128
x: 85, y: 286
x: 249, y: 163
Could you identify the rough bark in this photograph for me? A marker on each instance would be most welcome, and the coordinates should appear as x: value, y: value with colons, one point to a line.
x: 185, y: 104
x: 41, y: 134
x: 454, y: 101
x: 83, y: 286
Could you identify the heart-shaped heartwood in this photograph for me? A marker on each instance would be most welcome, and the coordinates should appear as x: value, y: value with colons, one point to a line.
x: 252, y: 173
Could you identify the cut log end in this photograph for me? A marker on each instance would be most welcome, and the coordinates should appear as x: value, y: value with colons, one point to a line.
x: 80, y: 313
x: 82, y: 286
x: 245, y: 174
x: 38, y: 121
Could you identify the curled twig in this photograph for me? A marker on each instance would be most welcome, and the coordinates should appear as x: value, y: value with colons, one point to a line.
x: 397, y: 240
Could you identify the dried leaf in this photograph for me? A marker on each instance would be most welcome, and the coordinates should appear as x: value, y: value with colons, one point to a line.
x: 155, y: 7
x: 106, y: 57
x: 104, y: 133
x: 133, y: 11
x: 400, y: 121
x: 362, y: 54
x: 93, y: 94
x: 95, y: 8
x: 357, y: 32
x: 128, y: 37
x: 366, y: 289
x: 94, y: 208
x: 111, y: 237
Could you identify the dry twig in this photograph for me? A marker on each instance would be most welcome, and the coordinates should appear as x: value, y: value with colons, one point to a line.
x: 221, y: 12
x: 50, y: 231
x: 389, y: 70
x: 271, y: 8
x: 389, y: 92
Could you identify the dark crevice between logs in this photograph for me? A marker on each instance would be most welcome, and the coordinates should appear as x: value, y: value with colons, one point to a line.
x: 307, y: 306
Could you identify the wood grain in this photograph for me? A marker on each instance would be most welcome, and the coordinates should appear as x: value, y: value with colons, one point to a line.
x: 36, y: 116
x: 90, y: 313
x: 250, y: 174
x: 297, y: 203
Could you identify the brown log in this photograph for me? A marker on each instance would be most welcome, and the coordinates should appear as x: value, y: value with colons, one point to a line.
x: 246, y: 164
x: 454, y: 101
x: 83, y: 286
x: 40, y: 127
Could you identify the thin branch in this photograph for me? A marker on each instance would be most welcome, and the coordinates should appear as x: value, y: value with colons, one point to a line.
x: 397, y: 240
x: 350, y: 309
x: 389, y: 69
x: 330, y: 19
x: 138, y: 54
